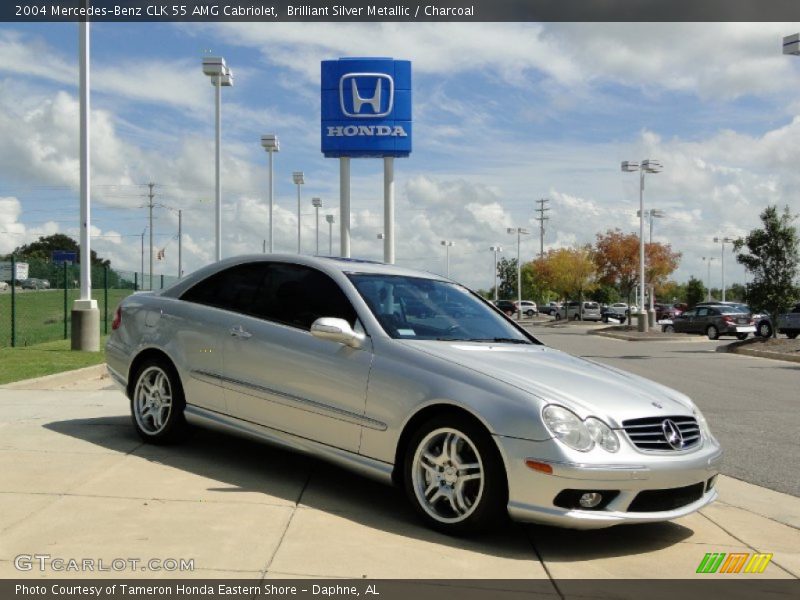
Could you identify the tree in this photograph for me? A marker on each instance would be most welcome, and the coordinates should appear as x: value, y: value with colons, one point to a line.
x: 660, y: 263
x: 568, y: 271
x: 772, y: 257
x: 44, y: 247
x: 507, y: 276
x: 695, y: 292
x: 616, y: 255
x: 736, y: 291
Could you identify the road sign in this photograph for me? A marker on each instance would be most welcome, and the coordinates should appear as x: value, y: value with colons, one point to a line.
x: 59, y: 257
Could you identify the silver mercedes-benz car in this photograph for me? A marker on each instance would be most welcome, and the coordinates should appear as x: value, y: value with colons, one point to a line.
x: 415, y: 380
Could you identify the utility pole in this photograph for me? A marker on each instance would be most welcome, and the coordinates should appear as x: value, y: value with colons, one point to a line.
x: 143, y: 232
x: 542, y: 218
x: 150, y: 196
x: 180, y: 243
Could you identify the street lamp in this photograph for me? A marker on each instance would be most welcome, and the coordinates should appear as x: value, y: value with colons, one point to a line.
x: 646, y: 166
x: 317, y: 204
x: 381, y: 236
x: 331, y: 220
x: 496, y: 248
x: 653, y: 213
x: 221, y: 76
x: 520, y: 231
x: 271, y: 144
x: 708, y: 288
x: 723, y: 241
x: 299, y: 180
x: 447, y: 245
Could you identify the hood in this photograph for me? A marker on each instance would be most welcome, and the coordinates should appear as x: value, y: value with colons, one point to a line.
x: 584, y: 386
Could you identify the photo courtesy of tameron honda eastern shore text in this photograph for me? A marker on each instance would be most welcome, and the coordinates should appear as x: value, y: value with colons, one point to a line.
x: 412, y: 379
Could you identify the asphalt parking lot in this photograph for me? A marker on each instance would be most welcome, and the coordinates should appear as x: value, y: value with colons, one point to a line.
x: 78, y: 483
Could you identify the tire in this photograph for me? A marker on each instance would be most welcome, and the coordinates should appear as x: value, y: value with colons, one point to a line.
x: 558, y: 316
x: 576, y: 317
x: 158, y: 386
x: 792, y: 335
x: 460, y: 506
x: 742, y: 336
x: 529, y: 313
x: 712, y: 332
x: 764, y: 329
x: 669, y: 329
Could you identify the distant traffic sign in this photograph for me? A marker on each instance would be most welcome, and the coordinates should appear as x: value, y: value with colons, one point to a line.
x: 60, y: 257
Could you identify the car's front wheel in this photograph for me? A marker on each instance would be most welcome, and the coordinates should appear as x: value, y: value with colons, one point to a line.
x: 669, y: 329
x: 157, y: 403
x: 765, y: 329
x: 454, y: 476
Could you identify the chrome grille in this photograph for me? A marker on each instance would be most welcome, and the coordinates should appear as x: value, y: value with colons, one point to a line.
x: 648, y: 433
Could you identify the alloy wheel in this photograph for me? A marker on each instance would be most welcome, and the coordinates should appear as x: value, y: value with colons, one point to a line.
x: 152, y: 400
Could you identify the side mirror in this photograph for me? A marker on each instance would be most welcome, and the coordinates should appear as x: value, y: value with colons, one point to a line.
x: 337, y: 330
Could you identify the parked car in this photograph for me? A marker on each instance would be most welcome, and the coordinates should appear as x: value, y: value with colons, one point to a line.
x: 714, y: 321
x: 507, y: 306
x: 3, y: 286
x: 762, y: 321
x: 34, y: 283
x: 550, y: 308
x: 473, y: 417
x: 528, y: 308
x: 590, y: 311
x: 789, y: 323
x: 665, y: 311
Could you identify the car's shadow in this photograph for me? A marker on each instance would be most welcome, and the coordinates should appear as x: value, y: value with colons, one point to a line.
x: 241, y: 465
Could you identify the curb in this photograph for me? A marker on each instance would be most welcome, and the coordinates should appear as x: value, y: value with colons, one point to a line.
x: 759, y: 353
x: 59, y: 379
x: 631, y: 338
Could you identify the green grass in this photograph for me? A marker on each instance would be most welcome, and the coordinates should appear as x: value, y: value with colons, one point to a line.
x: 17, y: 364
x: 40, y: 314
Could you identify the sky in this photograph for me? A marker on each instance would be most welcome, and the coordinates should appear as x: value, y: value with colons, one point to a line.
x: 505, y: 114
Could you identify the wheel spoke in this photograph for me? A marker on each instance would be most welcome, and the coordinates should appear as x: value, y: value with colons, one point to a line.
x: 434, y: 485
x: 460, y: 504
x: 432, y: 500
x: 429, y: 462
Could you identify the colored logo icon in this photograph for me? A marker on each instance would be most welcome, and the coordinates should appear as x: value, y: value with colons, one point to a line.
x: 735, y: 562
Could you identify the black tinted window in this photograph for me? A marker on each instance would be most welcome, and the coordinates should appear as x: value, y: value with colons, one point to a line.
x: 290, y: 294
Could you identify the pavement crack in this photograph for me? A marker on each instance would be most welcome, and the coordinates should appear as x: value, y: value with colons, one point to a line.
x: 540, y: 558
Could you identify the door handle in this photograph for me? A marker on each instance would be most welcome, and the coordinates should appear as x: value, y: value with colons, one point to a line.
x: 240, y: 332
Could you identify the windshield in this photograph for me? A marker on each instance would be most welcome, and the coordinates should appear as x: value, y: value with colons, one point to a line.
x: 415, y: 308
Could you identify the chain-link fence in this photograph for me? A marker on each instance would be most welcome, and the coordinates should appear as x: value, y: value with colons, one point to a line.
x: 36, y: 305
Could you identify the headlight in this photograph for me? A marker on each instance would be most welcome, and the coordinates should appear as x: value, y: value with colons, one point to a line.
x: 703, y: 425
x: 602, y: 434
x: 568, y: 428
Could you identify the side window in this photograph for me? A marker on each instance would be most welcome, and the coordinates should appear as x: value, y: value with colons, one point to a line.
x: 702, y: 312
x: 236, y: 288
x: 298, y: 295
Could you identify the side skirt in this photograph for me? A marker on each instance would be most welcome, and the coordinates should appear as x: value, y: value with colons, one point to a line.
x: 363, y: 465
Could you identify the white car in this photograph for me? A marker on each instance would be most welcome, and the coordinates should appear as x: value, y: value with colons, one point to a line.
x: 527, y: 307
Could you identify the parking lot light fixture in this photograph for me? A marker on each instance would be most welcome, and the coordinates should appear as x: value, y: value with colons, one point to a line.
x: 447, y: 245
x: 317, y: 204
x: 331, y: 220
x: 708, y: 287
x: 299, y: 180
x: 791, y: 44
x: 646, y: 166
x: 381, y: 236
x: 496, y: 248
x: 722, y: 241
x: 221, y: 76
x: 271, y: 144
x: 520, y: 231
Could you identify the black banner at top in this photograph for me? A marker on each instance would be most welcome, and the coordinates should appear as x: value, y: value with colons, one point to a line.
x: 400, y: 10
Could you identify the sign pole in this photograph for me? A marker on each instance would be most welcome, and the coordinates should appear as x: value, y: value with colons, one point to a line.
x: 388, y: 210
x: 344, y: 205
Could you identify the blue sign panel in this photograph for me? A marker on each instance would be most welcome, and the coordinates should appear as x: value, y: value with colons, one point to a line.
x: 366, y: 107
x: 64, y: 256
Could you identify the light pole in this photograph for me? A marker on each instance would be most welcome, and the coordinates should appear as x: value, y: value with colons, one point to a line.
x: 299, y: 180
x: 496, y: 248
x: 708, y: 279
x: 723, y: 241
x: 221, y: 76
x: 653, y: 213
x: 447, y: 245
x: 646, y: 166
x: 317, y: 204
x: 520, y: 231
x: 331, y: 220
x: 271, y: 144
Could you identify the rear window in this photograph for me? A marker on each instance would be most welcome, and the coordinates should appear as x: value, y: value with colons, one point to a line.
x: 591, y: 305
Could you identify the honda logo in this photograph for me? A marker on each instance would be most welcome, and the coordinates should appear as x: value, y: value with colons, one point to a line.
x: 368, y: 95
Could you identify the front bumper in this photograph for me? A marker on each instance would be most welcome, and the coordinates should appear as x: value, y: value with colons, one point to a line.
x: 532, y: 493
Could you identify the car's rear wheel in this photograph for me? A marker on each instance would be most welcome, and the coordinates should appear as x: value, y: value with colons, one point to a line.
x: 742, y: 336
x: 157, y: 403
x: 454, y: 476
x: 669, y: 329
x: 529, y: 313
x: 712, y: 332
x: 765, y: 329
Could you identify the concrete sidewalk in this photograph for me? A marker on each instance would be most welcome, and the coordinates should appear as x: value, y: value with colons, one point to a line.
x: 78, y: 483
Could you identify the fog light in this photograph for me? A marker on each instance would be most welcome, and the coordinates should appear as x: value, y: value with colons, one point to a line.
x: 590, y: 499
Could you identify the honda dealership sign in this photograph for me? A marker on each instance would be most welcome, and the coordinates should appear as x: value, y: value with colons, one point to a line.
x: 366, y: 108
